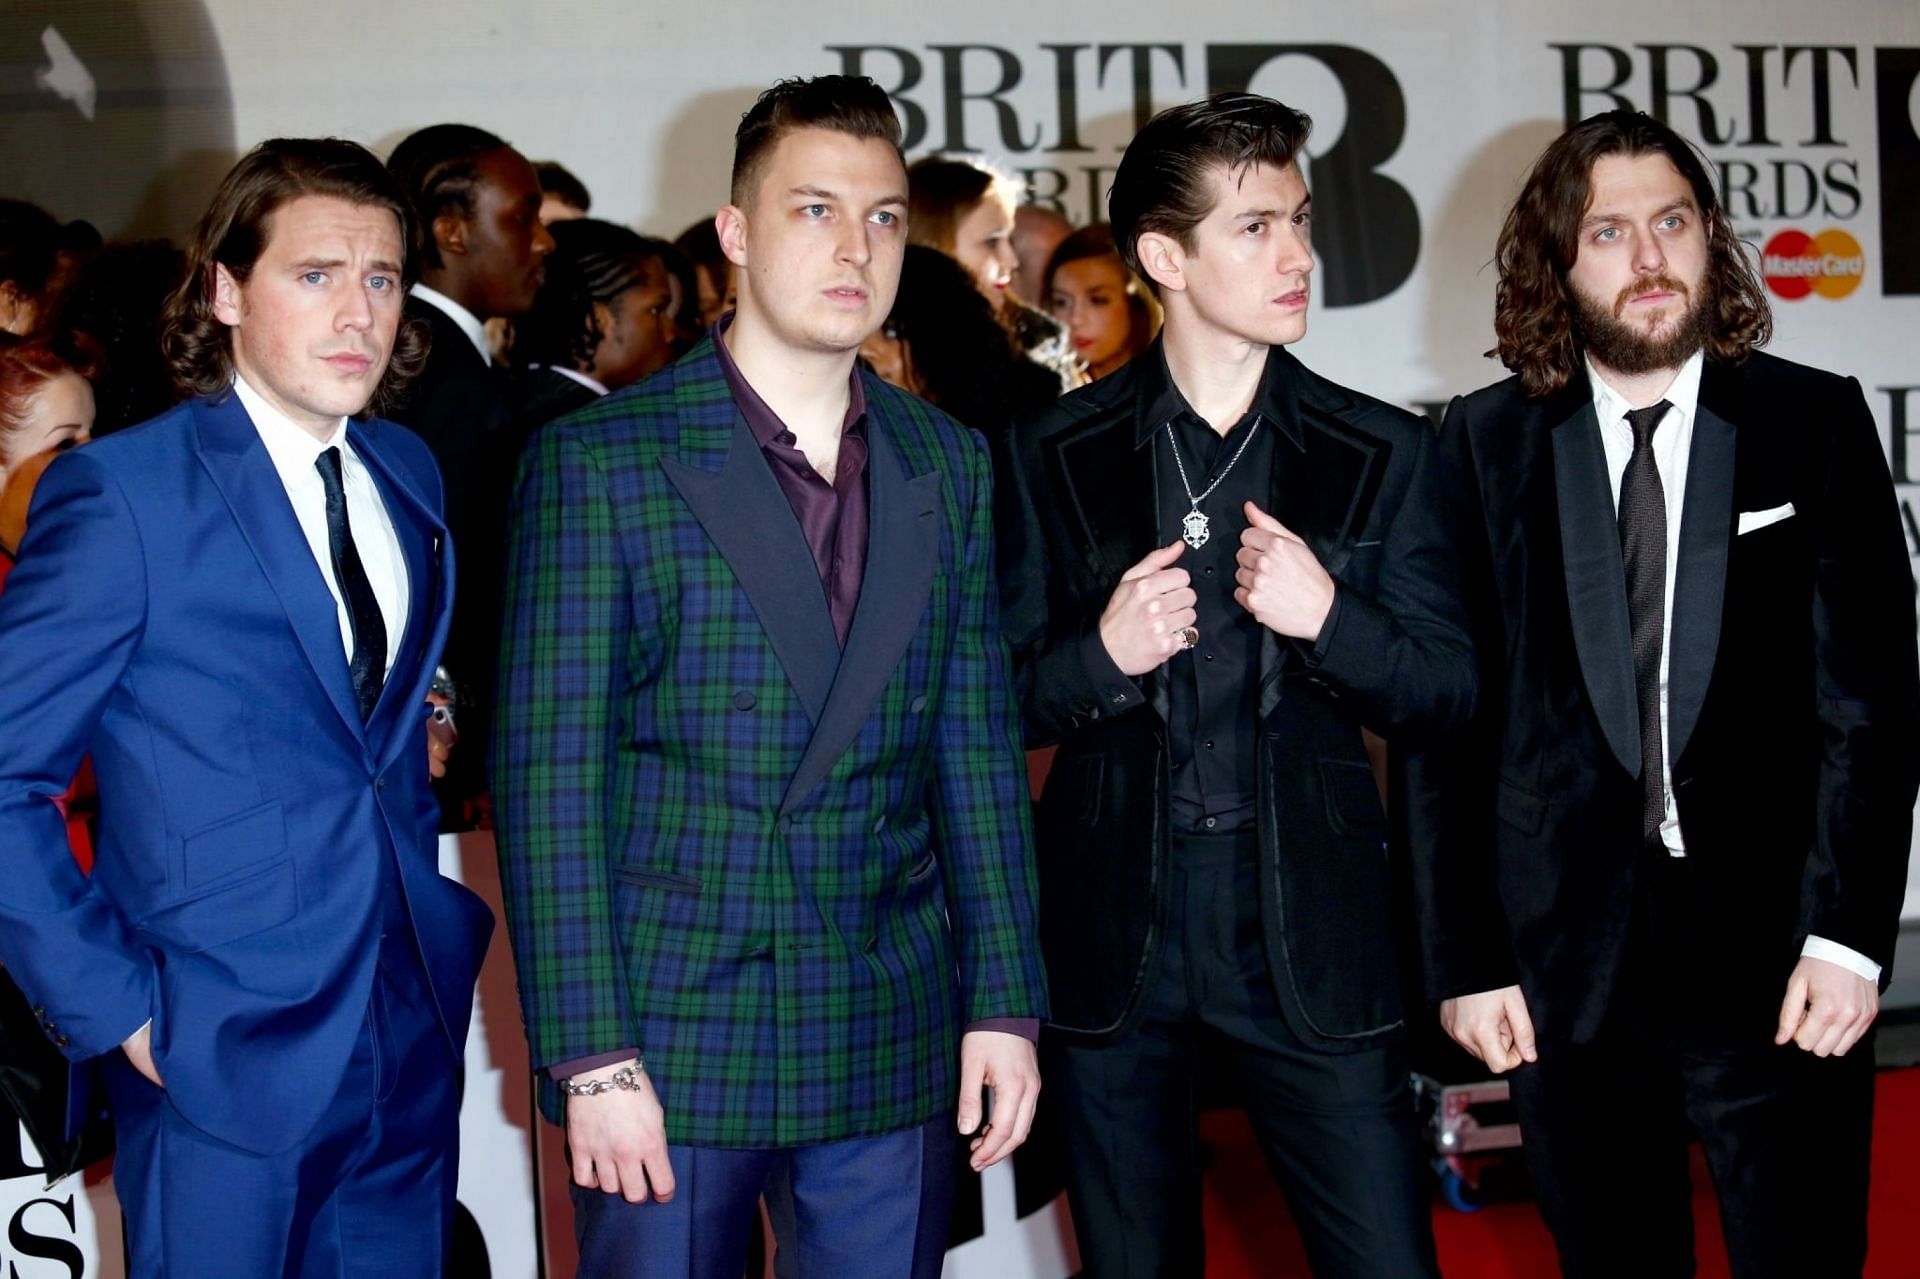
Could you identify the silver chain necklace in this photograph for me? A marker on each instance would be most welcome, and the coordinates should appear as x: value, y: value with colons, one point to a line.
x: 1194, y: 527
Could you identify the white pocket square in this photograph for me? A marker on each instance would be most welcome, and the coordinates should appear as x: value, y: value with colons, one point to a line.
x: 1751, y: 520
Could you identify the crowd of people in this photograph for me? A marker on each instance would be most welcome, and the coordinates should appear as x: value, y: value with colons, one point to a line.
x: 749, y: 564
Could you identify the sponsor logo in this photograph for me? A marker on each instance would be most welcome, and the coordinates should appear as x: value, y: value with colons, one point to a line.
x: 1796, y: 264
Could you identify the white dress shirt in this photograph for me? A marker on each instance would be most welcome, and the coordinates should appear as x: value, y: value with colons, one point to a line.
x: 1672, y: 449
x: 592, y: 384
x: 295, y: 452
x: 470, y: 324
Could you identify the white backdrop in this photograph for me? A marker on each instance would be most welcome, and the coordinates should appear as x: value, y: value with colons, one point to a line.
x: 1426, y: 117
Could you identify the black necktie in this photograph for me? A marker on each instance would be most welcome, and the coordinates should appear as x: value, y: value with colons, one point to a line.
x: 1643, y: 545
x: 368, y: 666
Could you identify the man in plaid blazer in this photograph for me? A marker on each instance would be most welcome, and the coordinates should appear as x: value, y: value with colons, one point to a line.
x: 762, y: 809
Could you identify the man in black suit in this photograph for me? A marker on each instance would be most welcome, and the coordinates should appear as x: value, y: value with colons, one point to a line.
x: 484, y: 259
x: 1225, y: 570
x: 1662, y: 881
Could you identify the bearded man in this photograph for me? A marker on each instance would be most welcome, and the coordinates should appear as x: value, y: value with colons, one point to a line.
x: 1661, y: 883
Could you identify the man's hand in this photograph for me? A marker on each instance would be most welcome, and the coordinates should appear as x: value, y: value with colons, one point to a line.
x: 1280, y: 580
x: 1492, y: 1025
x: 1827, y: 1008
x: 441, y: 736
x: 1008, y: 1065
x: 618, y: 1140
x: 139, y: 1050
x: 1151, y: 606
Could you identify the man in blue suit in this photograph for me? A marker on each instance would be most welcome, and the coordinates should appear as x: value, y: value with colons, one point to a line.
x: 234, y: 610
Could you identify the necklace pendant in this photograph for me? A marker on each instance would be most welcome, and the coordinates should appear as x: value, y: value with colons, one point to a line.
x: 1194, y: 529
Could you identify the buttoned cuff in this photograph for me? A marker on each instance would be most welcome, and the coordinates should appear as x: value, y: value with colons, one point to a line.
x: 1317, y: 651
x: 1028, y: 1028
x: 1845, y: 956
x: 1116, y: 690
x: 581, y: 1065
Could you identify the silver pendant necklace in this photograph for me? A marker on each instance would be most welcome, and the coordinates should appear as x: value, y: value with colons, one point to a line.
x: 1194, y: 527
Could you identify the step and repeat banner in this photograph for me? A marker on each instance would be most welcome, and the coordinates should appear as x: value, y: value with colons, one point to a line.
x: 125, y: 112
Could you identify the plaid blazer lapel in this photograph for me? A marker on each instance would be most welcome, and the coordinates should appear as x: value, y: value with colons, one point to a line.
x: 903, y: 541
x: 724, y: 480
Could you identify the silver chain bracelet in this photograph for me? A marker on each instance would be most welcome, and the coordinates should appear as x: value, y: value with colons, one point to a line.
x: 627, y: 1077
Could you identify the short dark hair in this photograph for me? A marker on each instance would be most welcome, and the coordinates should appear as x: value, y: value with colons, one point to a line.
x: 1163, y: 182
x: 1096, y: 241
x: 962, y: 358
x: 849, y: 104
x: 439, y: 168
x: 30, y: 243
x: 1534, y: 309
x: 556, y: 179
x: 942, y: 191
x: 233, y: 233
x: 592, y: 261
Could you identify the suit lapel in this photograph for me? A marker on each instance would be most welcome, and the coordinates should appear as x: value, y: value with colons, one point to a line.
x: 231, y: 452
x: 1596, y: 578
x: 725, y: 481
x: 1706, y: 536
x: 424, y: 550
x: 903, y: 542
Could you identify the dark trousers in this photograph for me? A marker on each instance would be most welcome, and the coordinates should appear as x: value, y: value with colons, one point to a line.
x: 1686, y: 1051
x: 368, y: 1193
x: 1337, y: 1130
x: 866, y: 1208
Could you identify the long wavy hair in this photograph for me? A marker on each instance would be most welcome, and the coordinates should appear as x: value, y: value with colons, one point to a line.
x: 1534, y: 313
x: 233, y: 233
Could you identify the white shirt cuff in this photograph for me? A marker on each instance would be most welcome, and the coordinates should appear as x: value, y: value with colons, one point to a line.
x: 1845, y: 956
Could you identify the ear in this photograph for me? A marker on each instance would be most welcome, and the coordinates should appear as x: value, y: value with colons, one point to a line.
x: 604, y: 320
x: 1163, y: 259
x: 450, y: 234
x: 731, y: 223
x: 227, y: 302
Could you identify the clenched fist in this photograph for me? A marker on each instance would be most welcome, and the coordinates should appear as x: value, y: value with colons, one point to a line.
x: 1151, y: 606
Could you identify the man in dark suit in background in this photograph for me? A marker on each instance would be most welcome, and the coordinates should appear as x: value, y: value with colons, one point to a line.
x: 1212, y: 860
x: 1662, y: 883
x: 483, y: 259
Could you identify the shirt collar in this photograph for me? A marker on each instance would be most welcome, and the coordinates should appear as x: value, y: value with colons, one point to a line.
x: 470, y: 324
x: 1684, y: 395
x: 765, y: 424
x: 1160, y: 401
x: 292, y: 447
x: 591, y: 384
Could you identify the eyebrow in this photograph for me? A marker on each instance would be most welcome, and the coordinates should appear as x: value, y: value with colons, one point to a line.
x: 1683, y: 203
x: 331, y: 264
x: 1273, y: 213
x: 821, y: 193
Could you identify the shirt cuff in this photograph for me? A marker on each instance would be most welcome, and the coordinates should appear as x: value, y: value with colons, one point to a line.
x: 1317, y: 651
x: 1117, y: 690
x: 581, y: 1065
x: 1845, y: 956
x: 1028, y: 1028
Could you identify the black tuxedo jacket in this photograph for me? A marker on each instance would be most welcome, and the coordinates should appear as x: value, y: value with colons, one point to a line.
x: 1792, y: 696
x: 1353, y: 477
x: 458, y: 404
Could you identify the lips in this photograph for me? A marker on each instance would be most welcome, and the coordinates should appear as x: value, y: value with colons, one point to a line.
x: 348, y: 362
x: 1654, y: 290
x: 1296, y: 298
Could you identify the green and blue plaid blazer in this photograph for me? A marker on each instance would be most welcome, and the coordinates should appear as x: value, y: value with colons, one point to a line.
x: 789, y: 875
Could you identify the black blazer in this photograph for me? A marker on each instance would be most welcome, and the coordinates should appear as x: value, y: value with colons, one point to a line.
x: 542, y: 395
x: 1792, y: 696
x: 1351, y: 475
x: 458, y: 404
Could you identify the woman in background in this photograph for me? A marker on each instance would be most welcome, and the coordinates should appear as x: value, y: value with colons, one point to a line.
x: 1110, y: 315
x: 965, y: 210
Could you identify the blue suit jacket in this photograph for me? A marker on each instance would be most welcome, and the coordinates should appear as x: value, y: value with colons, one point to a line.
x: 167, y: 617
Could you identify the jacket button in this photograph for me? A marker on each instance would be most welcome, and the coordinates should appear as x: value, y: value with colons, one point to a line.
x: 879, y: 823
x: 60, y: 1041
x: 379, y: 783
x: 744, y: 701
x: 918, y: 704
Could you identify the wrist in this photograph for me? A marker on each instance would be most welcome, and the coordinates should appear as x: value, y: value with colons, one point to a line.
x: 624, y: 1076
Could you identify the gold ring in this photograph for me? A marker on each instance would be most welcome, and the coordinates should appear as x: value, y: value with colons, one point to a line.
x: 1189, y: 636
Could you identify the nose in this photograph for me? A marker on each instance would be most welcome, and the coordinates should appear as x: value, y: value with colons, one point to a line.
x: 542, y: 239
x: 854, y: 249
x: 1296, y: 256
x: 356, y: 309
x: 1648, y: 257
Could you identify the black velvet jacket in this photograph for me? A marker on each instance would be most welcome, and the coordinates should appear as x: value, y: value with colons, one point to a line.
x: 1354, y: 478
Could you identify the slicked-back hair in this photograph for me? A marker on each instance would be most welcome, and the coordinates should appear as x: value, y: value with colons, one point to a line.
x: 1534, y: 308
x: 234, y: 232
x: 942, y: 191
x: 439, y: 168
x: 1165, y: 180
x: 592, y: 261
x: 853, y: 105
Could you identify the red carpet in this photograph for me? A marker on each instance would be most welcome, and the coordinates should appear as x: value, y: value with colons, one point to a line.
x: 1249, y: 1233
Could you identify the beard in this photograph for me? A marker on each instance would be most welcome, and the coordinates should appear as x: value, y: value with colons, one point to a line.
x: 1616, y: 344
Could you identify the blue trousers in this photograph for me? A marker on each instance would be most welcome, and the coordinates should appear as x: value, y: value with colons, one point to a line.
x: 867, y: 1208
x: 368, y: 1193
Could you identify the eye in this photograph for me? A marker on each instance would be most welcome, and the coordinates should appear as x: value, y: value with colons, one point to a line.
x: 1607, y: 234
x: 886, y: 217
x: 1256, y: 227
x: 381, y: 283
x: 1671, y: 222
x: 65, y: 443
x: 314, y: 277
x: 815, y: 210
x: 1303, y: 218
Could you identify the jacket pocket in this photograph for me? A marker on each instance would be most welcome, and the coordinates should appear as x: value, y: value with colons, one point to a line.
x: 227, y: 912
x: 242, y: 841
x: 1519, y: 807
x: 659, y: 879
x: 1353, y: 801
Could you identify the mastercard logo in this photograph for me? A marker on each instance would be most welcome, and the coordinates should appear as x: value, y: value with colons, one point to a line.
x: 1796, y: 264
